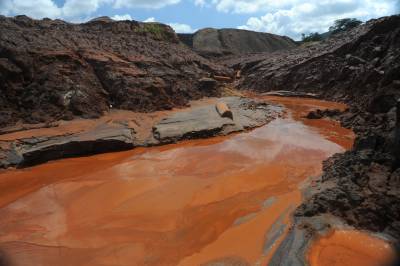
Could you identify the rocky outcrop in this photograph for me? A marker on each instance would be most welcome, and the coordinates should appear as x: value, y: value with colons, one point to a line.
x: 205, y: 121
x: 51, y: 69
x: 219, y: 42
x: 362, y: 68
x: 361, y: 65
x: 34, y: 150
x: 290, y: 94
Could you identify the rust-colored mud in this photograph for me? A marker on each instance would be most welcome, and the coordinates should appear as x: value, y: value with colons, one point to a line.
x: 186, y: 204
x: 350, y: 248
x: 328, y: 128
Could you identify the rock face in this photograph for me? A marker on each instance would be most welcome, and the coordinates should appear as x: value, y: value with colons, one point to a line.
x: 361, y: 67
x: 290, y: 94
x: 205, y: 121
x: 51, y: 69
x: 213, y: 42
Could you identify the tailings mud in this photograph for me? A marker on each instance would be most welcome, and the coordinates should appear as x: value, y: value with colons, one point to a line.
x: 225, y: 199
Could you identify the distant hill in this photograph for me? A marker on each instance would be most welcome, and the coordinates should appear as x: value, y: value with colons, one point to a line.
x: 213, y: 42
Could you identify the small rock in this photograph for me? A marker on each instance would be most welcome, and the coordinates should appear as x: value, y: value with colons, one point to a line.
x: 224, y: 110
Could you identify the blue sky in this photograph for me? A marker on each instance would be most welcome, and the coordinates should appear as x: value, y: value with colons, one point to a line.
x: 284, y: 17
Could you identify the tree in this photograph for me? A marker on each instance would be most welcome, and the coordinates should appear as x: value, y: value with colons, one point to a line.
x: 344, y: 25
x: 312, y: 37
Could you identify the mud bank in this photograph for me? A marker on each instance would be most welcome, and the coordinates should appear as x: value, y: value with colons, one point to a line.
x: 124, y: 130
x: 360, y: 67
x: 179, y: 204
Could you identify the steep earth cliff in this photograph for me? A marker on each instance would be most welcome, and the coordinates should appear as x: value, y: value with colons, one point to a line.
x: 213, y: 42
x: 51, y: 69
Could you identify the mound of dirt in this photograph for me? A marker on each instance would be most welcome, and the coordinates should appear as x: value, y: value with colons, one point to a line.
x: 212, y: 42
x: 51, y: 69
x: 362, y: 68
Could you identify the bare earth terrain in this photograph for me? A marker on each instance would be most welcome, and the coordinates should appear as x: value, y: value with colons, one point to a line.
x: 310, y: 169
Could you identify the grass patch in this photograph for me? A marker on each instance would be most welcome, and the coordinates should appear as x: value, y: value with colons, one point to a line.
x: 157, y: 30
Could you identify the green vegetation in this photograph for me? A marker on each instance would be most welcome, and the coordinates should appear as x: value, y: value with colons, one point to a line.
x: 157, y: 30
x: 344, y: 25
x: 312, y: 37
x: 340, y: 25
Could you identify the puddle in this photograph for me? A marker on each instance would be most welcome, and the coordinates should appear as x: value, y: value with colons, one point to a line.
x: 350, y: 248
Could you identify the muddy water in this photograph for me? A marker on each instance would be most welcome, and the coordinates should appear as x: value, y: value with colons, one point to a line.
x: 350, y: 248
x: 185, y: 204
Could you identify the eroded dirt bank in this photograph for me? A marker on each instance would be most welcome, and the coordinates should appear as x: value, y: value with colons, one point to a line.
x: 360, y: 67
x: 52, y: 69
x: 185, y: 204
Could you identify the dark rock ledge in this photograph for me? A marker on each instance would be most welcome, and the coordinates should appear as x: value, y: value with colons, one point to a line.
x: 205, y: 121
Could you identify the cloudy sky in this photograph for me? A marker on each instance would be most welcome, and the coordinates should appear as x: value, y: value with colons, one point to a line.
x: 285, y: 17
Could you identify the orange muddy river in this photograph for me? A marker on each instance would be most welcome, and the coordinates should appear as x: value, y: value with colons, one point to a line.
x: 190, y: 203
x: 350, y: 248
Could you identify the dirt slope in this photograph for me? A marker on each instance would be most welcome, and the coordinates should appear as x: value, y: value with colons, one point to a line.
x: 51, y: 69
x: 213, y: 42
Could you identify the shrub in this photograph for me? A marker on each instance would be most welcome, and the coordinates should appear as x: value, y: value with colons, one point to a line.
x: 312, y: 37
x: 344, y: 24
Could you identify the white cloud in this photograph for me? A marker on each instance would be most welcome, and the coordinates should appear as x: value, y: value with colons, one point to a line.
x: 200, y: 3
x: 181, y: 28
x: 153, y: 4
x: 151, y: 19
x: 35, y: 9
x: 315, y: 15
x: 251, y: 6
x: 122, y: 17
x: 287, y: 17
x: 73, y: 10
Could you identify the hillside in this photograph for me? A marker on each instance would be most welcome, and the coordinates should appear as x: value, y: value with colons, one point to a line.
x: 51, y: 69
x: 362, y: 68
x: 213, y: 42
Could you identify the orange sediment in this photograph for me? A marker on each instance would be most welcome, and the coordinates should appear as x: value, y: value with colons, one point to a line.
x: 183, y: 204
x: 350, y: 248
